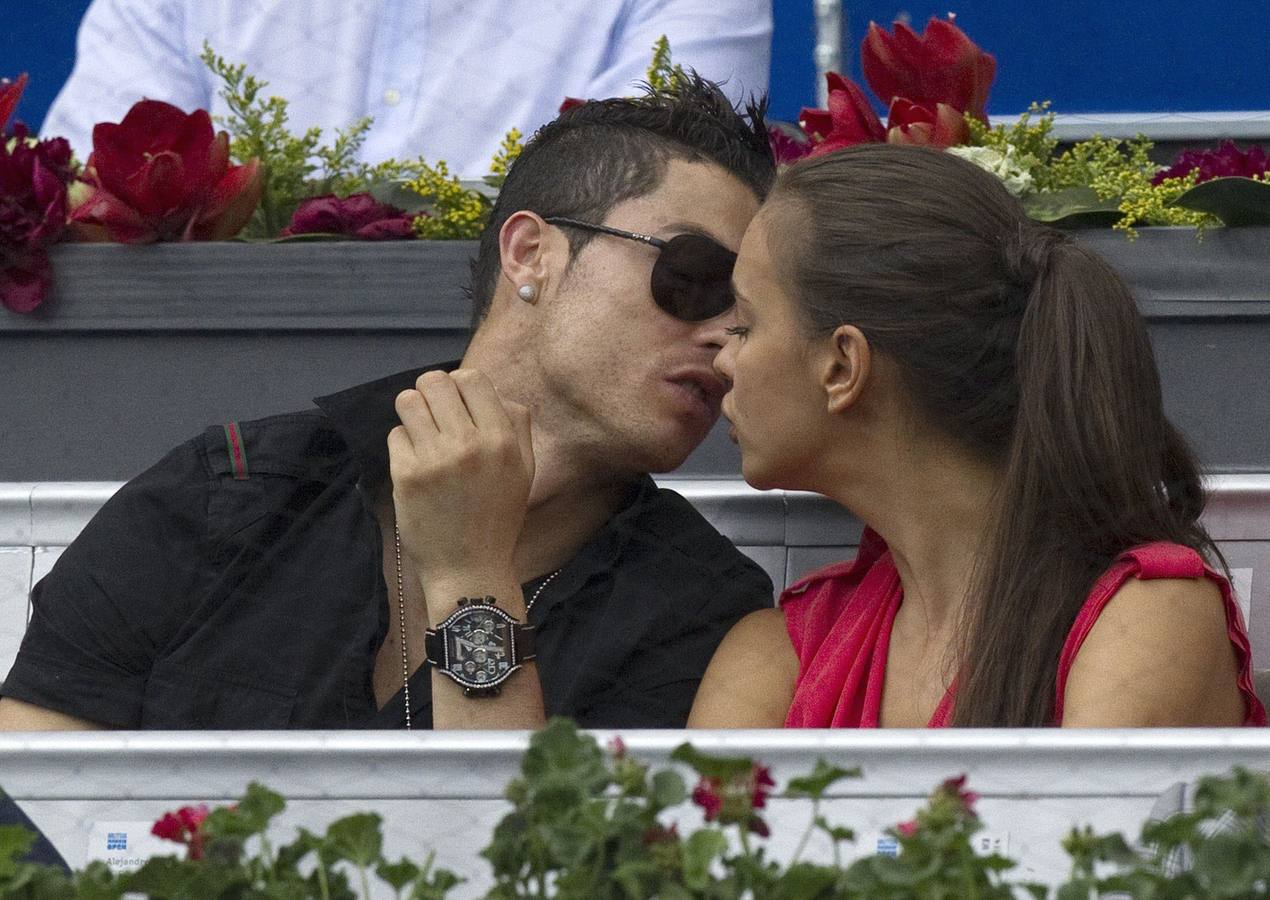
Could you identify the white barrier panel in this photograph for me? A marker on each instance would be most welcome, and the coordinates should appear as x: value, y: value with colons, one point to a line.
x: 94, y: 795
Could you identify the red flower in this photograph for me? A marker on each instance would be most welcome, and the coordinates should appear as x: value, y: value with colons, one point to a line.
x: 907, y: 829
x: 761, y: 785
x: 355, y: 216
x: 569, y: 103
x: 849, y: 120
x: 1225, y: 162
x: 955, y: 787
x: 617, y: 747
x: 33, y: 185
x: 909, y: 123
x: 185, y: 826
x: 162, y: 175
x: 757, y: 826
x: 10, y: 94
x: 941, y: 65
x: 706, y: 795
x: 787, y: 148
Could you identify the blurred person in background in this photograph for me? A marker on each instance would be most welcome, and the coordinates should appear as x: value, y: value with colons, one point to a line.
x: 442, y: 79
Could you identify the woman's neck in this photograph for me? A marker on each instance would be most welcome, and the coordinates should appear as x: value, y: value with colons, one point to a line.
x: 932, y: 504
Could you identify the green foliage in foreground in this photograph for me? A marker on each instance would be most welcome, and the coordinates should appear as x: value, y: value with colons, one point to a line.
x: 593, y: 823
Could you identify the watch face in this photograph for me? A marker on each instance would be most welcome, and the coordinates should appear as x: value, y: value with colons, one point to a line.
x: 478, y: 644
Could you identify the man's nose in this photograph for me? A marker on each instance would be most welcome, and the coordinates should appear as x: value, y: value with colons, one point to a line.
x: 713, y: 333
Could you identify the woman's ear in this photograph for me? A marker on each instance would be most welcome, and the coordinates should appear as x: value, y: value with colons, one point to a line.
x: 845, y: 369
x: 521, y: 246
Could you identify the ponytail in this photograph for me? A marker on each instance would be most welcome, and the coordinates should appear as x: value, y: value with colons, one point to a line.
x: 1093, y: 469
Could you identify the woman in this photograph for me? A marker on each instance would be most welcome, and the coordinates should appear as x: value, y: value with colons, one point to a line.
x: 981, y: 392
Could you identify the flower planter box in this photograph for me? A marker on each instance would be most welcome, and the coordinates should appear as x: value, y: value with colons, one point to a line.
x: 141, y: 347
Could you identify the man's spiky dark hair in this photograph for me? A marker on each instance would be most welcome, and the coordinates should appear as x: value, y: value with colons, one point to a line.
x: 604, y: 152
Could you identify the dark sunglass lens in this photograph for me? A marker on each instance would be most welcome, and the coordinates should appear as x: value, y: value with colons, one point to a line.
x: 692, y: 278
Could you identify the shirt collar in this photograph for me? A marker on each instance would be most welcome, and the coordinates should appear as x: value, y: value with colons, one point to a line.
x: 363, y: 415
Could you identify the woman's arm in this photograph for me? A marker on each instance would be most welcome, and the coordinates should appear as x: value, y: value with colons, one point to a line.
x: 750, y: 681
x: 1158, y: 656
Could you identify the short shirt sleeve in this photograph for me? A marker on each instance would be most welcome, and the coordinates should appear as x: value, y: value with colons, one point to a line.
x: 116, y: 597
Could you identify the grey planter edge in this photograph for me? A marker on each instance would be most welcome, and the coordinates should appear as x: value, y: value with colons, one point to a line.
x: 1175, y: 273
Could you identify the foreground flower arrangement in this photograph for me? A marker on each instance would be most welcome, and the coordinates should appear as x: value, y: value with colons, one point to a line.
x: 163, y: 174
x: 587, y: 823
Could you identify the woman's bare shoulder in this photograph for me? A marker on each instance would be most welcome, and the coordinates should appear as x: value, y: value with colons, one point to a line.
x: 750, y: 681
x: 1158, y: 655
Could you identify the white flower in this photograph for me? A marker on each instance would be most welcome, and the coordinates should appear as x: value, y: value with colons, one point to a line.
x: 1017, y: 180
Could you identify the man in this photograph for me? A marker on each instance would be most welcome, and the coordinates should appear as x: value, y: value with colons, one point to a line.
x: 442, y: 79
x: 287, y: 572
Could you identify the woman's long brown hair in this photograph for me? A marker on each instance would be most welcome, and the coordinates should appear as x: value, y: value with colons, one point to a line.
x: 1027, y: 348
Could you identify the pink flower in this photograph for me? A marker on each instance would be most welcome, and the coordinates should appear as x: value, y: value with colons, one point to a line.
x: 907, y: 829
x: 163, y: 175
x: 356, y: 216
x: 941, y: 65
x: 955, y: 787
x: 1225, y: 162
x: 761, y: 785
x: 706, y: 795
x: 617, y: 747
x: 909, y: 123
x: 34, y: 179
x: 185, y: 826
x: 10, y: 94
x: 849, y: 120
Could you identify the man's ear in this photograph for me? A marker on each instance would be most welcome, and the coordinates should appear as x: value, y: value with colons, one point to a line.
x: 846, y: 367
x: 521, y: 246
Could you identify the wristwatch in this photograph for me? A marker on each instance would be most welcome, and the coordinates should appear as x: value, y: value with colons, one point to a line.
x: 479, y: 646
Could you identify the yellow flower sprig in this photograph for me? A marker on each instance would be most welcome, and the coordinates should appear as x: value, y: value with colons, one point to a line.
x: 454, y: 211
x: 1115, y: 170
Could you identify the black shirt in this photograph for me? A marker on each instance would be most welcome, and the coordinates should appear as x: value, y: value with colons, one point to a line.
x: 238, y: 583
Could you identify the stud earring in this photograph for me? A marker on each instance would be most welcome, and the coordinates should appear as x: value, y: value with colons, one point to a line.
x: 527, y: 292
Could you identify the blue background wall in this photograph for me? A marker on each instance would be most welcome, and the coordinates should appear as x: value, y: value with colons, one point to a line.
x: 1085, y: 55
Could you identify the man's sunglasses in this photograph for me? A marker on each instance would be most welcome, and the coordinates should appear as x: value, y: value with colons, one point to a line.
x: 692, y: 278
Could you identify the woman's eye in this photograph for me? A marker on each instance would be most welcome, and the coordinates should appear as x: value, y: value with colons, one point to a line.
x: 737, y: 330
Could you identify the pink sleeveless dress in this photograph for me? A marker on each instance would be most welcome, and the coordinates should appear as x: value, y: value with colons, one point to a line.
x: 840, y: 617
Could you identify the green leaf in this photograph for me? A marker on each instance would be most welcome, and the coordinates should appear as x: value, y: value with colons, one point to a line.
x: 804, y: 881
x: 668, y: 789
x: 703, y: 764
x: 1072, y: 207
x: 356, y: 838
x: 398, y: 194
x: 15, y: 841
x: 398, y: 874
x: 819, y: 781
x: 250, y: 816
x: 837, y: 833
x: 1236, y: 201
x: 700, y: 850
x: 637, y: 878
x: 560, y: 749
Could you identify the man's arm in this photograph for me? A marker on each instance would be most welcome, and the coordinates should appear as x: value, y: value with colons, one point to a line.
x: 462, y: 465
x: 127, y: 50
x: 18, y: 716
